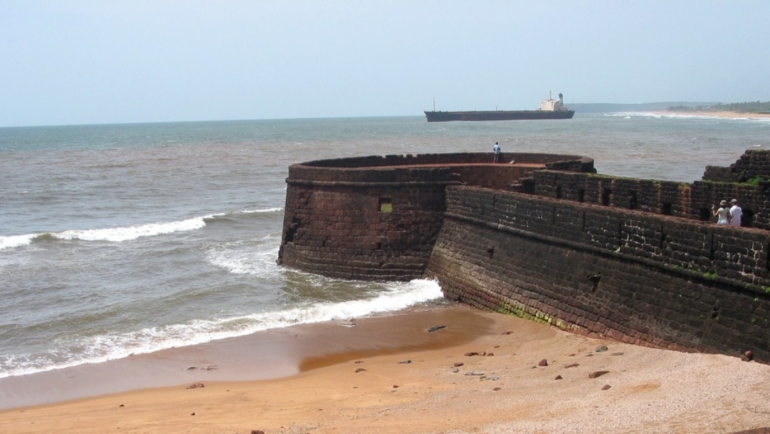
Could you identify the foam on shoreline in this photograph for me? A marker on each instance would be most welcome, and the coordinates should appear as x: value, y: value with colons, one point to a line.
x: 483, y: 372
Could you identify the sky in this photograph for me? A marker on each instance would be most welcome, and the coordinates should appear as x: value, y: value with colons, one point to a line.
x: 129, y: 61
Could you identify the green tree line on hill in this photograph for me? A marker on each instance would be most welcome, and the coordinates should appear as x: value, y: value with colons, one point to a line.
x: 738, y: 107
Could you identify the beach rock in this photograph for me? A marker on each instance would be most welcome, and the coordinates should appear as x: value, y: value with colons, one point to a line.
x: 455, y: 370
x: 606, y: 387
x: 558, y: 377
x: 601, y: 349
x: 360, y: 370
x: 597, y: 374
x: 192, y: 414
x: 471, y: 353
x: 497, y: 389
x: 395, y: 386
x: 474, y: 373
x: 616, y: 354
x: 195, y: 386
x: 507, y: 333
x: 543, y: 362
x: 405, y: 362
x: 748, y: 356
x: 572, y: 365
x: 458, y: 364
x: 257, y: 431
x: 490, y: 354
x: 121, y: 405
x: 435, y: 328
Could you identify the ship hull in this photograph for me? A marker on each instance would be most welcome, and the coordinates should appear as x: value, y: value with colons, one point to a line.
x: 497, y: 115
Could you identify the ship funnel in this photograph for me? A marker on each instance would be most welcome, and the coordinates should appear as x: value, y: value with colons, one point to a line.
x: 561, y: 98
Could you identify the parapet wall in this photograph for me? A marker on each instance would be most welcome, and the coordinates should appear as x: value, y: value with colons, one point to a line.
x: 691, y: 201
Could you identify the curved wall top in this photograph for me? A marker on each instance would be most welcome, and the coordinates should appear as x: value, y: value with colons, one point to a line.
x: 459, y: 167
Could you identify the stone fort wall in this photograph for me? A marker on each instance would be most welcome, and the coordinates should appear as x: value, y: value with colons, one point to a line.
x: 549, y: 239
x: 636, y: 277
x: 377, y: 218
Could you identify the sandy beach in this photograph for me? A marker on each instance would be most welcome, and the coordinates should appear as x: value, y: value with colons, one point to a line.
x: 480, y: 372
x: 728, y: 115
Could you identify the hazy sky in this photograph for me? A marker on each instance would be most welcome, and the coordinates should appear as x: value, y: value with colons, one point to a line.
x: 84, y: 62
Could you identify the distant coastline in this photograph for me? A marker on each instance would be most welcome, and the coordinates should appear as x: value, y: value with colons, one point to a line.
x: 713, y: 114
x: 678, y: 108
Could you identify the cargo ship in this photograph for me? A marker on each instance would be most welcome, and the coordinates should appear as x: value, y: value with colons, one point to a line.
x: 549, y: 109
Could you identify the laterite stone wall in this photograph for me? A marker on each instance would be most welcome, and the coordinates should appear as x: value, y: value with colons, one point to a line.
x: 632, y: 276
x: 377, y: 218
x: 639, y: 261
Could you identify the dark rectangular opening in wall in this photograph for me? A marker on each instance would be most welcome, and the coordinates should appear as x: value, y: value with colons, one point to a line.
x: 666, y: 208
x: 386, y: 204
x: 632, y: 202
x: 747, y: 219
x: 581, y: 195
x: 606, y: 193
x: 704, y: 214
x: 558, y: 192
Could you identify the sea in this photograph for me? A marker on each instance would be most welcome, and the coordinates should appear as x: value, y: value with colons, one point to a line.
x: 133, y: 238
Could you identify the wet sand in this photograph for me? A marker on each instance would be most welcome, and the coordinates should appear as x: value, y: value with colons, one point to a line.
x: 390, y: 375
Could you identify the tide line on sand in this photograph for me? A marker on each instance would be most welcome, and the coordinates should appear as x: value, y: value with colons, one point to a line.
x: 402, y: 373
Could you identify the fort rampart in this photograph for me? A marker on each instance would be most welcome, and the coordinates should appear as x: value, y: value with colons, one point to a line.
x: 547, y: 238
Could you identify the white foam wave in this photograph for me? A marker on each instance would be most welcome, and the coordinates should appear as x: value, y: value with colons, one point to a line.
x: 260, y: 263
x: 121, y: 234
x: 16, y: 240
x: 132, y: 232
x: 397, y: 296
x: 265, y: 210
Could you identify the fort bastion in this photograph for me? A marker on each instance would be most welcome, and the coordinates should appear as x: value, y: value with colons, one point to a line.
x: 639, y: 261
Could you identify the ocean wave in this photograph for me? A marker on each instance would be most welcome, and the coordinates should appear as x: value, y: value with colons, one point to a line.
x: 261, y: 211
x: 396, y: 296
x: 126, y: 233
x: 259, y: 263
x: 16, y: 241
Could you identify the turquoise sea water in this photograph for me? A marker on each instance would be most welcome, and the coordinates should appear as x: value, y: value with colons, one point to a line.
x: 121, y: 239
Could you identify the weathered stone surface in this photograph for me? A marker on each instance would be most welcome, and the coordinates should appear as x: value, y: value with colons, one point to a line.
x: 609, y: 257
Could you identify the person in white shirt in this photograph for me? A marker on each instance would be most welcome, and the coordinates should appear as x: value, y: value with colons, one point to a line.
x: 735, y: 213
x: 496, y: 149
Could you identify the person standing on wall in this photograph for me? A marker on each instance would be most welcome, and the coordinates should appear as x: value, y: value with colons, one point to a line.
x: 722, y: 214
x: 496, y: 148
x: 735, y: 213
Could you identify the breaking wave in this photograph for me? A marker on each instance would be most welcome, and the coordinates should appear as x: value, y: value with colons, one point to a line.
x: 96, y: 349
x: 126, y: 233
